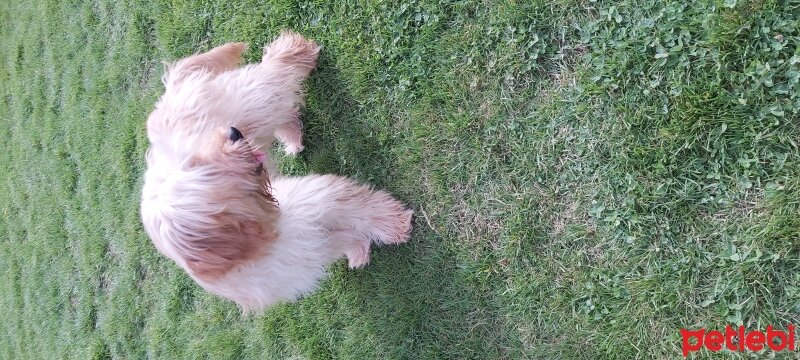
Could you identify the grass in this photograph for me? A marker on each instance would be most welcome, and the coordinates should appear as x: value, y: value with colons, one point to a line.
x: 589, y: 177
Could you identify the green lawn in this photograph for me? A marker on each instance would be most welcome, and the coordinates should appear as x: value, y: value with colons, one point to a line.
x: 589, y: 177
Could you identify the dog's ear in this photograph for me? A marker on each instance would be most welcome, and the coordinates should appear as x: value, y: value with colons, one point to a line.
x: 218, y: 251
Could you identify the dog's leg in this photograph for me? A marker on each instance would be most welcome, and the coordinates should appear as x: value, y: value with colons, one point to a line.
x: 291, y: 135
x: 287, y: 62
x: 355, y: 247
x: 264, y: 98
x: 371, y: 217
x: 361, y: 216
x: 291, y: 55
x: 215, y: 61
x: 355, y: 215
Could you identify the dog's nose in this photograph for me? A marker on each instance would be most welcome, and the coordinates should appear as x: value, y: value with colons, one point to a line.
x: 234, y: 134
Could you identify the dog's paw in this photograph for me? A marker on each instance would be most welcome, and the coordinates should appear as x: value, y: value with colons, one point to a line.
x: 358, y: 257
x: 293, y: 149
x: 291, y: 135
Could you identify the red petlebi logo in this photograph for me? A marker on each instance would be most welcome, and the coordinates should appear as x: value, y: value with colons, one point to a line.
x: 738, y: 339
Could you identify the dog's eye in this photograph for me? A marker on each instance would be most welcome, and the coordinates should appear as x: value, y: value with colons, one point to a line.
x: 234, y: 134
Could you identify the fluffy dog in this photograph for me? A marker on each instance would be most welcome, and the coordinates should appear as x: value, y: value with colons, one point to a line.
x: 212, y: 200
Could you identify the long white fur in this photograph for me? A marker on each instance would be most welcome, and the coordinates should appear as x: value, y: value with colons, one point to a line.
x: 319, y: 218
x: 316, y: 227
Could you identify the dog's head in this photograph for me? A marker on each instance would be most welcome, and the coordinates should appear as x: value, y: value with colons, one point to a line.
x: 210, y: 209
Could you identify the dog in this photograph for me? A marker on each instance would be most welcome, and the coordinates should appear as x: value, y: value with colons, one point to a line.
x: 212, y: 200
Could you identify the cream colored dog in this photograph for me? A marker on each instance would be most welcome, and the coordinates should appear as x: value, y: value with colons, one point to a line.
x: 212, y: 200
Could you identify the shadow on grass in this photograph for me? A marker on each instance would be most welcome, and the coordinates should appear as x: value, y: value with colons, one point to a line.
x: 413, y: 301
x: 339, y: 138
